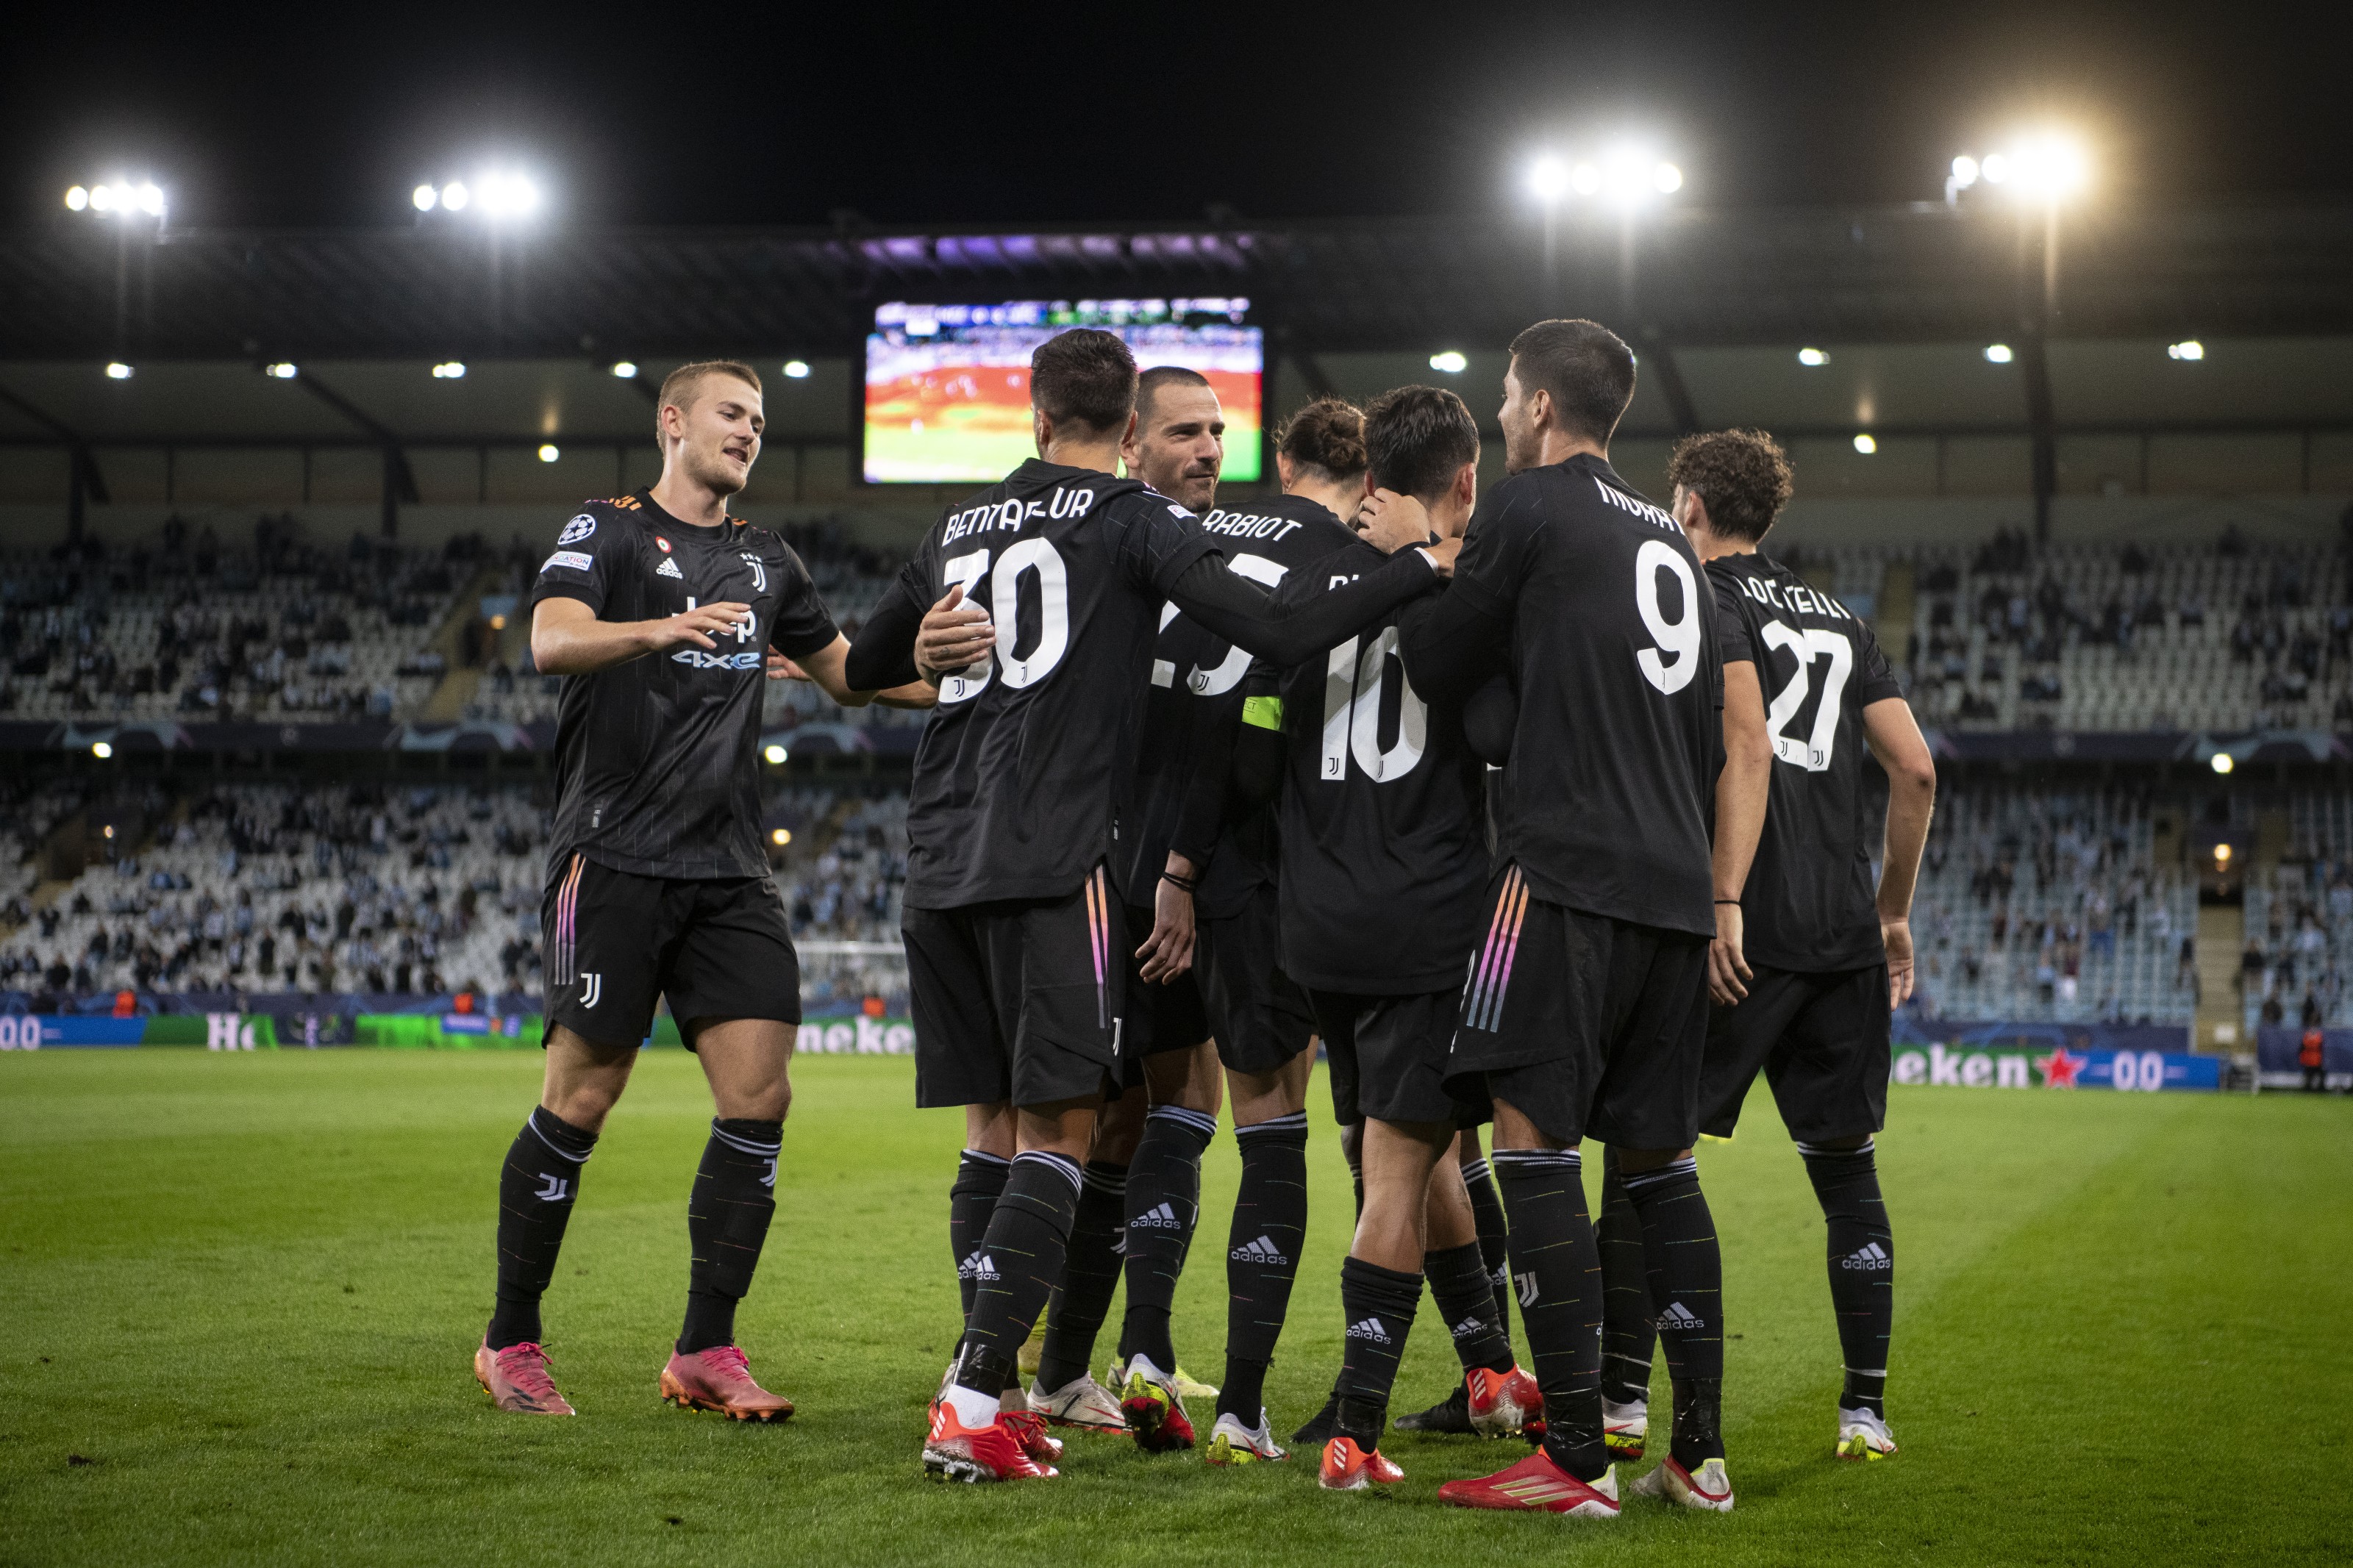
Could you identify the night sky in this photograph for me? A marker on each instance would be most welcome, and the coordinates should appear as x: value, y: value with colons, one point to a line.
x: 916, y: 114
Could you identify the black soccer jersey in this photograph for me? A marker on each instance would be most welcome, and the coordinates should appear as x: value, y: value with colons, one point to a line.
x: 1613, y: 652
x: 1196, y: 690
x: 1808, y: 901
x: 655, y: 758
x: 1384, y: 857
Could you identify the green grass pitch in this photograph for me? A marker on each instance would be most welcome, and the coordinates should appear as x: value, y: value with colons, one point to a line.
x: 240, y: 1293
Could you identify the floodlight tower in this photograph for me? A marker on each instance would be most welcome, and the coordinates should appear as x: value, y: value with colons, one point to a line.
x: 1627, y: 179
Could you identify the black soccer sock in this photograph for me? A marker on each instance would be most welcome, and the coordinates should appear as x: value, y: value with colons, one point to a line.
x: 1863, y: 1267
x: 1494, y: 1238
x: 727, y: 1222
x: 1556, y: 1268
x: 1262, y: 1257
x: 536, y: 1190
x: 1164, y: 1204
x: 1628, y: 1325
x: 1378, y: 1305
x: 1074, y: 1313
x: 1021, y: 1258
x: 979, y: 1182
x: 1466, y: 1299
x: 1687, y: 1285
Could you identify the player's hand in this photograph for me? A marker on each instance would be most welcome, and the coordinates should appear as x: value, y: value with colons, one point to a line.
x: 782, y: 668
x: 1391, y: 521
x: 1441, y: 554
x: 1898, y: 935
x: 954, y: 635
x: 1168, y: 953
x: 700, y: 625
x: 1727, y: 969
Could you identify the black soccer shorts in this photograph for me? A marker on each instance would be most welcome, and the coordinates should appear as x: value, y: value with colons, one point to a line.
x: 1821, y: 1040
x: 1260, y: 1017
x: 1590, y: 1025
x: 1162, y: 1016
x: 614, y: 940
x: 1017, y: 1000
x: 1387, y: 1056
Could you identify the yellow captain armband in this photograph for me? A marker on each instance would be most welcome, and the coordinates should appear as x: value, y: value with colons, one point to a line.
x: 1266, y: 712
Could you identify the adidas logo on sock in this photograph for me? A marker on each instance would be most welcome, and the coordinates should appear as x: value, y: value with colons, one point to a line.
x: 1869, y: 1256
x: 668, y: 568
x: 1262, y: 1250
x: 1678, y: 1316
x: 1469, y: 1328
x: 1369, y: 1328
x: 1161, y: 1217
x: 979, y: 1265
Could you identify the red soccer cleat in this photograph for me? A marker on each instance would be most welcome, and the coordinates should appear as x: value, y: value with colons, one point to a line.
x: 1502, y: 1403
x: 1349, y: 1468
x: 718, y: 1379
x: 1028, y: 1429
x: 516, y: 1379
x: 1154, y: 1414
x: 1537, y: 1485
x: 955, y: 1452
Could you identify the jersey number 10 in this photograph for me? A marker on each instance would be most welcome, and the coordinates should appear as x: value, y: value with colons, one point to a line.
x: 1352, y: 712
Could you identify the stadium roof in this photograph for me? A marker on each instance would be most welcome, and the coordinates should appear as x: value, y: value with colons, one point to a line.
x: 1921, y: 273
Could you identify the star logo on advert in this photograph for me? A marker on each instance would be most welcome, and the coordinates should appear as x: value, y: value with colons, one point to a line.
x: 2059, y: 1069
x: 663, y: 542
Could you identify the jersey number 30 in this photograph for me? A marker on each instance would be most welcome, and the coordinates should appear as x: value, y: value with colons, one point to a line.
x: 1003, y: 601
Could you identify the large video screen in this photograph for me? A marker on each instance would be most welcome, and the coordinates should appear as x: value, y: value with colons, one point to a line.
x: 947, y: 386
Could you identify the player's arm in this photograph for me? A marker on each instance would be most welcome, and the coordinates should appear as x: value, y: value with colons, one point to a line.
x: 1895, y: 741
x: 882, y: 657
x: 1260, y: 751
x: 1286, y: 630
x: 827, y: 668
x: 1458, y: 641
x: 1741, y: 791
x: 566, y: 637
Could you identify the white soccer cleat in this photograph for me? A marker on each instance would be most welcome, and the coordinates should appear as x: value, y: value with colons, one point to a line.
x: 1707, y: 1488
x: 1231, y: 1443
x: 1625, y: 1428
x: 1862, y: 1436
x: 1082, y: 1403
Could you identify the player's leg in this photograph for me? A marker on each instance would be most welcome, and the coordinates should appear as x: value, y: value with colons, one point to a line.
x: 1380, y: 1292
x: 1487, y: 1208
x: 1335, y: 1026
x: 1498, y: 1397
x: 1628, y: 1321
x: 1263, y: 1248
x: 1065, y: 1390
x: 1452, y: 1415
x: 988, y: 1151
x: 1829, y: 1076
x: 600, y: 942
x: 1164, y: 1193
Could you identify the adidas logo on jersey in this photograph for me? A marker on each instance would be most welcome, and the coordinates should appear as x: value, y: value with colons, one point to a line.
x: 668, y: 568
x: 1161, y: 1217
x: 1371, y: 1329
x: 1678, y: 1316
x: 979, y: 1265
x: 1262, y: 1250
x: 1869, y: 1256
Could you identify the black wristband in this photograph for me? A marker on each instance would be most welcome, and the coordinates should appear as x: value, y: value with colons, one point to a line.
x: 1727, y: 900
x: 1185, y: 883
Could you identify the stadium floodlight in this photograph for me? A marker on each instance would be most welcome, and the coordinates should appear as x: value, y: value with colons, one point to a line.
x: 425, y: 198
x: 76, y: 199
x: 100, y: 749
x: 1585, y: 179
x: 798, y: 369
x: 549, y: 452
x: 2223, y: 763
x: 1812, y: 359
x: 1995, y: 168
x: 151, y: 199
x: 449, y: 370
x: 1450, y: 362
x: 101, y: 199
x: 1667, y: 179
x: 2188, y: 348
x: 1865, y: 443
x: 455, y: 196
x: 1998, y: 353
x: 508, y: 196
x: 117, y: 370
x: 626, y: 369
x: 781, y: 836
x: 282, y: 371
x: 1548, y: 179
x: 776, y: 756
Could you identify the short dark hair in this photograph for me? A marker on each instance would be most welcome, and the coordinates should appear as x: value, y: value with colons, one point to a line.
x: 1148, y: 385
x: 1083, y: 376
x: 680, y: 387
x: 1588, y: 368
x: 1417, y: 438
x: 1328, y: 436
x: 1742, y: 475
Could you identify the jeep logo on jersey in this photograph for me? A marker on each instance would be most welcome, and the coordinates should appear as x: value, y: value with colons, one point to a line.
x: 695, y: 658
x: 578, y: 528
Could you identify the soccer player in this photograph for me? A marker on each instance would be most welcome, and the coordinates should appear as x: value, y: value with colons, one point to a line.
x: 660, y: 611
x: 1583, y: 1011
x: 1018, y: 791
x: 1826, y: 960
x: 1384, y: 861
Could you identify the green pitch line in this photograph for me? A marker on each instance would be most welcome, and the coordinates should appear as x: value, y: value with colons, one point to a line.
x: 243, y: 1292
